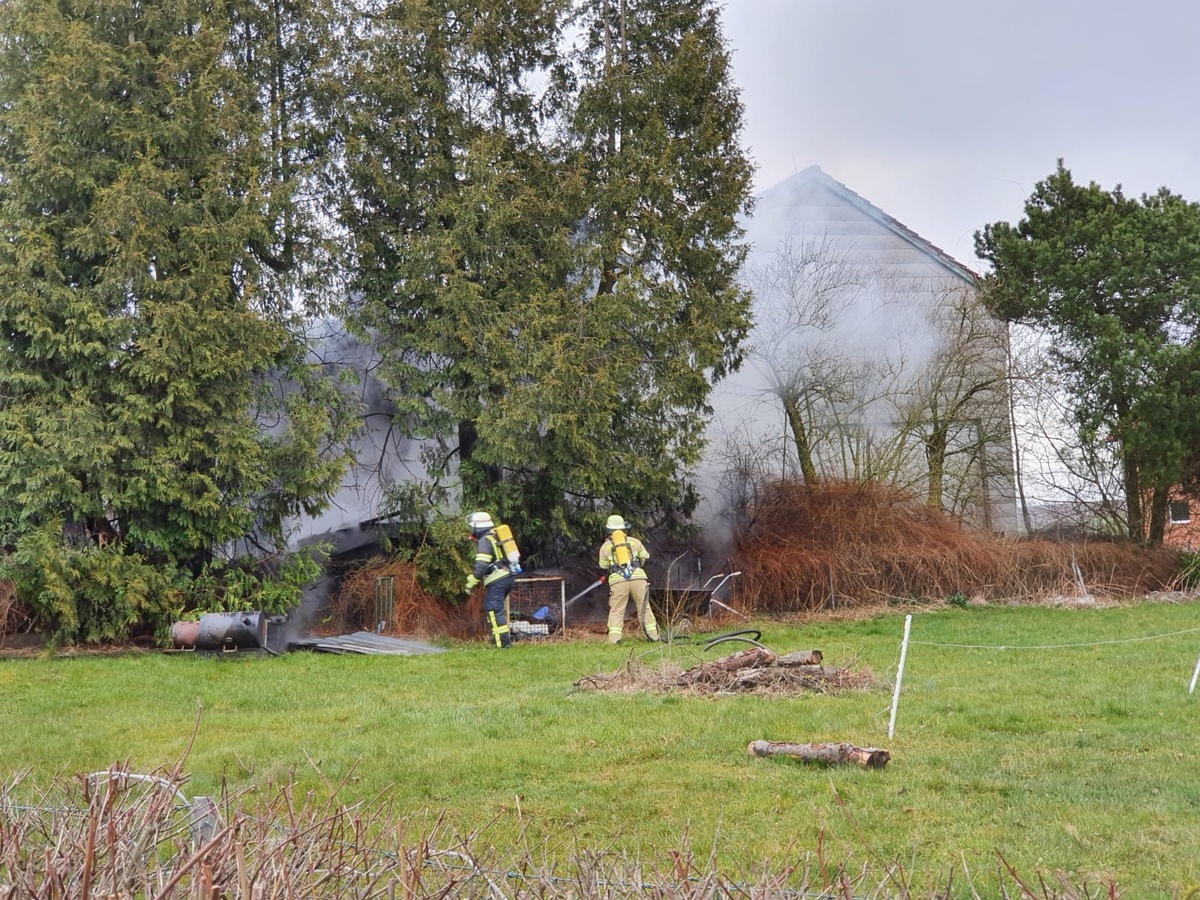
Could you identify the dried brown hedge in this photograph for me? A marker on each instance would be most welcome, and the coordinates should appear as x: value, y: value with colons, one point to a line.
x: 414, y: 612
x: 844, y: 544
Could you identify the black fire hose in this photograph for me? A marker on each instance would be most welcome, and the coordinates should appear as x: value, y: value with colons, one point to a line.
x: 736, y: 636
x: 746, y: 636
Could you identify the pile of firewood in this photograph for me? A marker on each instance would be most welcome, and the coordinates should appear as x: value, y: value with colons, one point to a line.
x: 760, y: 670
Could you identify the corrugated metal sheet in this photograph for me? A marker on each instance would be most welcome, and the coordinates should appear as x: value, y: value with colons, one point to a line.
x: 366, y: 642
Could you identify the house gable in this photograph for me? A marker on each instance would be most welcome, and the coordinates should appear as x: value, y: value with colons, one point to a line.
x: 811, y: 203
x: 880, y: 344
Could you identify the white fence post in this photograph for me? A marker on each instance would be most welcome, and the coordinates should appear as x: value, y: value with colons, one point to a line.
x: 900, y: 676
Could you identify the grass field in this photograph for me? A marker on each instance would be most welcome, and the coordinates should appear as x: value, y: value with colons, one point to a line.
x: 1051, y: 740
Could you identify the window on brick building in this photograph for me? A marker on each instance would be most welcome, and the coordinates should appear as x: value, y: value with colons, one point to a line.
x: 1181, y: 512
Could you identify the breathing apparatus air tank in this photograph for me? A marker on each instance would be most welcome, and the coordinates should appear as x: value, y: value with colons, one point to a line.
x: 622, y: 554
x: 508, y: 546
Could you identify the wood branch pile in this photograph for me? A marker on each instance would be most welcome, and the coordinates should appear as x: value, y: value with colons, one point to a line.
x: 756, y: 670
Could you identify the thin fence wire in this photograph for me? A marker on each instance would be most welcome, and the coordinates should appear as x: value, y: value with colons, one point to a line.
x: 907, y: 641
x: 1129, y: 640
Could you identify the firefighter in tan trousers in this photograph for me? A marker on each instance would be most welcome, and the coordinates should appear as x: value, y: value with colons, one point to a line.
x: 622, y: 558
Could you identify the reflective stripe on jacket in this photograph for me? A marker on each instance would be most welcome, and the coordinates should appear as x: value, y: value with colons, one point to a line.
x: 490, y: 564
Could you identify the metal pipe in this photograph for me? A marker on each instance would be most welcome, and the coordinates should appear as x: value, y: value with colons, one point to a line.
x: 713, y: 599
x: 222, y: 631
x: 721, y: 583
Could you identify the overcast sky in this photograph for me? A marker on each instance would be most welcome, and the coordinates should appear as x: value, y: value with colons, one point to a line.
x: 945, y: 113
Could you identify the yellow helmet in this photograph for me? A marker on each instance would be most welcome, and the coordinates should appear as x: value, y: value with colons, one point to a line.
x: 615, y: 523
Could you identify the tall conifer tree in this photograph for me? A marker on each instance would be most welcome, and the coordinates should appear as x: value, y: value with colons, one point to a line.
x: 657, y: 123
x: 546, y: 245
x: 1114, y: 282
x: 137, y: 205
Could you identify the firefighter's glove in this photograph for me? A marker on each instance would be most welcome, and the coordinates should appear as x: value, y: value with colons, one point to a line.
x: 471, y: 582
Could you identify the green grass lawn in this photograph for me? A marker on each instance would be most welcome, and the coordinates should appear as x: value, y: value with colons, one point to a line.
x: 1050, y: 739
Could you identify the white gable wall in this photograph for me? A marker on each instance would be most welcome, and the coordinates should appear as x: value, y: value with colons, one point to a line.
x: 885, y: 296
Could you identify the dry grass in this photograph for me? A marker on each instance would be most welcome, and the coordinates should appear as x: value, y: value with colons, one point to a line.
x: 14, y: 618
x: 845, y: 545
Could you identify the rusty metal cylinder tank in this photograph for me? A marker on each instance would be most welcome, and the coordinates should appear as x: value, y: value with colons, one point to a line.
x: 222, y: 631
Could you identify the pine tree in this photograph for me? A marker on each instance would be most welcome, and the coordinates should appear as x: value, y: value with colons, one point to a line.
x: 1114, y: 282
x: 460, y: 223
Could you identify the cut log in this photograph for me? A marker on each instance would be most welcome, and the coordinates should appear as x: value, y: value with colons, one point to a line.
x: 829, y: 754
x: 594, y: 681
x: 801, y: 658
x: 754, y: 658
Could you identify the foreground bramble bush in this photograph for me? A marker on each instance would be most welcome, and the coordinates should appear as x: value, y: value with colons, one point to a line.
x: 123, y: 834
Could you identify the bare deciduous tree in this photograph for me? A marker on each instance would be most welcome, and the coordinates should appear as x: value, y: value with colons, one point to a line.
x: 864, y: 399
x: 803, y: 286
x: 954, y: 406
x: 1073, y: 487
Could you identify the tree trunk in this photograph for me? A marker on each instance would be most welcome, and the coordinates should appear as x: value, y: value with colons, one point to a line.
x: 935, y: 458
x: 828, y: 754
x: 800, y: 439
x: 1135, y: 515
x: 1158, y: 516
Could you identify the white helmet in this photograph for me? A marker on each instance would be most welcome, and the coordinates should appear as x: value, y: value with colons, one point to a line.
x: 480, y: 521
x: 615, y: 523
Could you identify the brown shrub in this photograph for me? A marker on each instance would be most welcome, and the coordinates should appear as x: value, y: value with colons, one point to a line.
x: 414, y: 612
x: 7, y: 600
x: 14, y: 615
x: 850, y: 544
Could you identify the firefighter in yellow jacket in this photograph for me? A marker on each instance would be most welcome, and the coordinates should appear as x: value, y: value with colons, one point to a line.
x: 622, y: 558
x: 497, y: 573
